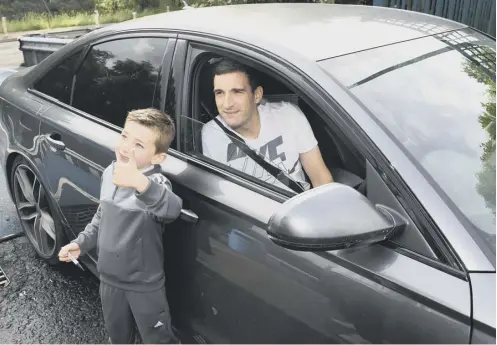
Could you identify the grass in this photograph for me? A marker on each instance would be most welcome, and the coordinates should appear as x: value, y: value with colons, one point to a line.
x: 39, y: 21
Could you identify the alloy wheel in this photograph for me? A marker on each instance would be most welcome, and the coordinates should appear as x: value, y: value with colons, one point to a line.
x: 34, y: 211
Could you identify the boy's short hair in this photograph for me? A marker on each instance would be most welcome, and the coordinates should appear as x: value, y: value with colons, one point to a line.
x: 157, y: 120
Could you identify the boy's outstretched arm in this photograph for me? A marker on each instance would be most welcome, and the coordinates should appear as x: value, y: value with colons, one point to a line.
x: 160, y: 199
x: 87, y: 239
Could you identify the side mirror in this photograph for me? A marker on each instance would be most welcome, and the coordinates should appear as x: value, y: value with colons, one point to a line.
x: 332, y: 217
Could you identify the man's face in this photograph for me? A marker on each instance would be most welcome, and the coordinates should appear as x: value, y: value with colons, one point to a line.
x: 235, y: 100
x: 142, y: 139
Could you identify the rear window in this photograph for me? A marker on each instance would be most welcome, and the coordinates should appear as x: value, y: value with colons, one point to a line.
x: 58, y: 82
x: 436, y: 95
x: 119, y: 76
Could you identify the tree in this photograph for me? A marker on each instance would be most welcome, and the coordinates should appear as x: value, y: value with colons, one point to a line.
x: 486, y: 177
x: 64, y: 6
x: 116, y: 5
x: 16, y: 9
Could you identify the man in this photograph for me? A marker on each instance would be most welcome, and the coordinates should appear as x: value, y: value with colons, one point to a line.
x: 278, y: 131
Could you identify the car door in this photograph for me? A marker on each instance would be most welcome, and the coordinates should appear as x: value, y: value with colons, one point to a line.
x: 237, y: 286
x: 90, y: 94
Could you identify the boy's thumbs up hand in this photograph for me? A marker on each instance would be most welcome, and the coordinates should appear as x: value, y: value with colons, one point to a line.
x: 127, y: 175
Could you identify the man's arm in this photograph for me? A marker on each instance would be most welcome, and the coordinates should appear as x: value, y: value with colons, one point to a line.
x: 314, y: 166
x: 87, y: 239
x: 160, y: 199
x: 308, y: 149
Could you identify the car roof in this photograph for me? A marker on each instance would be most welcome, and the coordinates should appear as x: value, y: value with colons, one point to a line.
x: 315, y: 31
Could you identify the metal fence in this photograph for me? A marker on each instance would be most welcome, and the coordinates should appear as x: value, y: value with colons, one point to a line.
x: 479, y: 14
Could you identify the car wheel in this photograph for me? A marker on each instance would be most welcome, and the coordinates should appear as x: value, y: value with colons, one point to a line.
x: 35, y: 212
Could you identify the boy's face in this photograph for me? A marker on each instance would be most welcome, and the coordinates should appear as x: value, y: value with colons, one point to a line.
x: 142, y: 139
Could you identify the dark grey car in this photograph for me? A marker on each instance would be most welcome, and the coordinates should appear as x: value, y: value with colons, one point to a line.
x: 400, y: 249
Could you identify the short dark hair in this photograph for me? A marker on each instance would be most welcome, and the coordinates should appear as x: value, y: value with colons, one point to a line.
x: 225, y: 66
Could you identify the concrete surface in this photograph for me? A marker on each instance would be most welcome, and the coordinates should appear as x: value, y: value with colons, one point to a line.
x: 10, y: 55
x: 9, y: 221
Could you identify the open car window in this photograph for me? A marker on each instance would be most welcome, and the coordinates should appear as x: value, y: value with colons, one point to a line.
x: 209, y: 142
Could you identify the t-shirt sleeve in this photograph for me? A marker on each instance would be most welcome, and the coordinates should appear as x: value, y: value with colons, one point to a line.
x: 205, y: 142
x: 305, y: 140
x: 212, y: 142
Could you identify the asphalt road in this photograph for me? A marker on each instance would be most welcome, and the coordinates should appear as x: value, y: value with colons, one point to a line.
x: 10, y: 55
x: 42, y: 303
x: 9, y: 222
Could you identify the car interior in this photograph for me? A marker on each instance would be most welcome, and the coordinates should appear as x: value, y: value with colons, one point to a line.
x: 342, y: 160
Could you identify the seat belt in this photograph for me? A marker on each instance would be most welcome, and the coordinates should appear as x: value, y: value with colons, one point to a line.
x: 276, y: 172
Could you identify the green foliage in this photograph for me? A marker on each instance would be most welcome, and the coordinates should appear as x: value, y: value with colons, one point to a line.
x: 486, y: 177
x: 39, y: 21
x: 119, y: 5
x: 18, y: 9
x: 25, y: 15
x: 206, y: 3
x: 113, y: 5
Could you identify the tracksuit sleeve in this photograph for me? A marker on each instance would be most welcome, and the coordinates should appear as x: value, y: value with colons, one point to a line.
x: 160, y: 200
x: 87, y: 239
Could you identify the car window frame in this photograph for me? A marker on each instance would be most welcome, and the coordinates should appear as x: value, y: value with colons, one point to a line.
x: 196, y: 49
x: 85, y: 48
x: 89, y: 49
x: 285, y: 194
x: 447, y: 259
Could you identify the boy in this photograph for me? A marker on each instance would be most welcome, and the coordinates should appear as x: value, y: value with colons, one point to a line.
x: 135, y: 202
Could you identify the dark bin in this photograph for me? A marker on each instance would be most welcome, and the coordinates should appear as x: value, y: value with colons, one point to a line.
x: 36, y: 47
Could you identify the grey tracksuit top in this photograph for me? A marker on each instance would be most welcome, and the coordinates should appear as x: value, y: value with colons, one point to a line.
x: 127, y: 230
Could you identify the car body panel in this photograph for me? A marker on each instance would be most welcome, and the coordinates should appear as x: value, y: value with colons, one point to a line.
x: 20, y: 122
x: 457, y: 236
x: 5, y: 73
x: 238, y: 286
x: 345, y: 29
x: 483, y: 291
x: 227, y: 281
x: 288, y: 285
x: 75, y: 172
x: 412, y: 108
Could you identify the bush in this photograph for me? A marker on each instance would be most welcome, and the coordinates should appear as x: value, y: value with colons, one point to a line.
x: 40, y: 21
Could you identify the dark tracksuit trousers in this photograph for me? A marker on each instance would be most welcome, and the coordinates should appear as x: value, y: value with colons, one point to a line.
x: 149, y: 310
x: 127, y: 231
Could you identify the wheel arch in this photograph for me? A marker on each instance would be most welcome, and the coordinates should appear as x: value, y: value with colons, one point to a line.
x: 8, y: 171
x: 11, y: 158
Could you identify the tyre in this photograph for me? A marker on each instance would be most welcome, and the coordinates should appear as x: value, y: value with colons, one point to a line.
x: 35, y: 211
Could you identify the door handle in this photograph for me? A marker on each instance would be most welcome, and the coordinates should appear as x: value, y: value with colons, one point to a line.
x: 188, y: 216
x: 55, y: 142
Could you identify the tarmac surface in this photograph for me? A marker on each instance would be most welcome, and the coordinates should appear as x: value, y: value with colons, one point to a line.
x: 42, y: 303
x: 10, y: 55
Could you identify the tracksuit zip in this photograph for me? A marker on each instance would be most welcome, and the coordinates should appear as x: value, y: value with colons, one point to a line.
x: 115, y: 192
